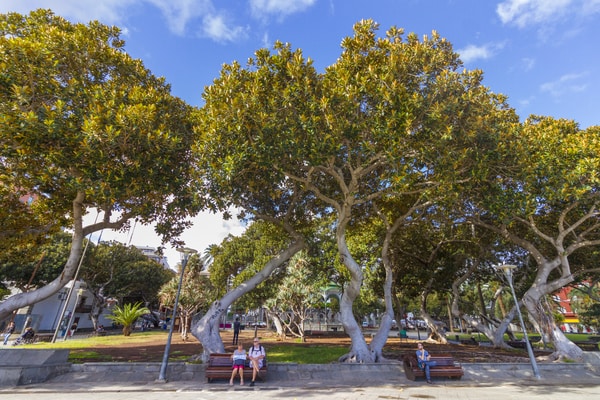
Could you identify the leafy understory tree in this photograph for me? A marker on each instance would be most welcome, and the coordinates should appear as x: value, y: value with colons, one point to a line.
x: 299, y: 292
x: 115, y: 271
x: 127, y: 316
x: 252, y: 259
x: 195, y: 295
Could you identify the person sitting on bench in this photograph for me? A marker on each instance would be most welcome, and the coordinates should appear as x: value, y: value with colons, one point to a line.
x: 256, y: 354
x: 424, y: 360
x: 26, y: 337
x: 239, y: 359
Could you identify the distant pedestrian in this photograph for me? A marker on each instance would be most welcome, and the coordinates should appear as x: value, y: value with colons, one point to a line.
x: 236, y: 330
x: 73, y: 329
x: 10, y: 329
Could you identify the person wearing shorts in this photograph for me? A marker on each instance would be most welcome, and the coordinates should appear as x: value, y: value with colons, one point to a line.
x: 256, y: 355
x: 239, y: 359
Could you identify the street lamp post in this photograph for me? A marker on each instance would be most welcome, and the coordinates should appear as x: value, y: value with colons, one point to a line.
x: 507, y: 269
x: 185, y: 254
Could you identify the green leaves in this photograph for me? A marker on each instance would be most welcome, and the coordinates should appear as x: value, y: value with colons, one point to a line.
x: 127, y: 315
x: 79, y: 115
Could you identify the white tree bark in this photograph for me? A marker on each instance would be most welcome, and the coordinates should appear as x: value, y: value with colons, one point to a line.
x: 21, y: 300
x: 206, y: 330
x: 359, y: 351
x: 551, y: 333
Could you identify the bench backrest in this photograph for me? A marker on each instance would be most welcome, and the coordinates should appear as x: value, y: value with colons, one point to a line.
x: 442, y: 360
x: 220, y: 360
x: 224, y: 360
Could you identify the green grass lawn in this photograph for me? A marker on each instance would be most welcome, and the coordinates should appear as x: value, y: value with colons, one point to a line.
x: 305, y: 355
x: 82, y: 348
x: 116, y: 339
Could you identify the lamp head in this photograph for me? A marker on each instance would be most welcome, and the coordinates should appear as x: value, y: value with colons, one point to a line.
x: 506, y: 268
x: 186, y: 250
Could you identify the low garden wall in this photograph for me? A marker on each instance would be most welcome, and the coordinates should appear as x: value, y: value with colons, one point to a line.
x: 26, y: 366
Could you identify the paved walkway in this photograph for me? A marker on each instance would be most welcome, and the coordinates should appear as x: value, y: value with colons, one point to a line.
x: 133, y: 381
x: 315, y: 390
x: 476, y: 384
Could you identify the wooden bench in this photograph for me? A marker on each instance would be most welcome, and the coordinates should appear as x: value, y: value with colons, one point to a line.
x: 517, y: 344
x: 220, y: 366
x: 446, y: 367
x: 42, y: 337
x: 588, y: 346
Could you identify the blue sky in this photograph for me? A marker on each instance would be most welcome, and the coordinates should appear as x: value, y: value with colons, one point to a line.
x: 543, y: 54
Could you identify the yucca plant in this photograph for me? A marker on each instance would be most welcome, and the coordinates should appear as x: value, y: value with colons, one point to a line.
x: 127, y: 315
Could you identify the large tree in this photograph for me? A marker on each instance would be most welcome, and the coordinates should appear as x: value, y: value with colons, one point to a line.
x: 115, y: 271
x: 84, y: 127
x: 392, y: 116
x: 240, y: 267
x: 544, y: 198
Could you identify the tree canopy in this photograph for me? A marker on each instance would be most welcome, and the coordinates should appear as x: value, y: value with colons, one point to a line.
x: 392, y: 117
x: 86, y: 128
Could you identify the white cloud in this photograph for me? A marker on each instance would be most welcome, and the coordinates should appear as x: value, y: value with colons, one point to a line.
x: 591, y: 6
x: 569, y: 83
x: 178, y: 14
x: 266, y: 41
x: 528, y: 63
x: 207, y: 229
x: 523, y: 13
x: 109, y: 12
x: 472, y: 52
x: 264, y: 8
x: 216, y: 28
x: 527, y: 101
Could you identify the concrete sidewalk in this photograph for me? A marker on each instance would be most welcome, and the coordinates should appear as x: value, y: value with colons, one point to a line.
x: 340, y: 389
x: 98, y: 381
x: 181, y: 376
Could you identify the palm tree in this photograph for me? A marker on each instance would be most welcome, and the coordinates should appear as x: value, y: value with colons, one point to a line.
x: 127, y: 316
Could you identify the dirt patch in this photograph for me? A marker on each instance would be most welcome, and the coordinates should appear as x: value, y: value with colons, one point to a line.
x: 153, y: 349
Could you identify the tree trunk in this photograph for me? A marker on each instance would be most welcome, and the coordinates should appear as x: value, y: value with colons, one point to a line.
x: 551, y: 333
x: 97, y: 309
x: 359, y: 351
x: 185, y: 319
x: 206, y: 330
x: 495, y: 335
x: 279, y: 327
x: 98, y: 305
x: 385, y: 325
x: 481, y: 299
x: 25, y: 299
